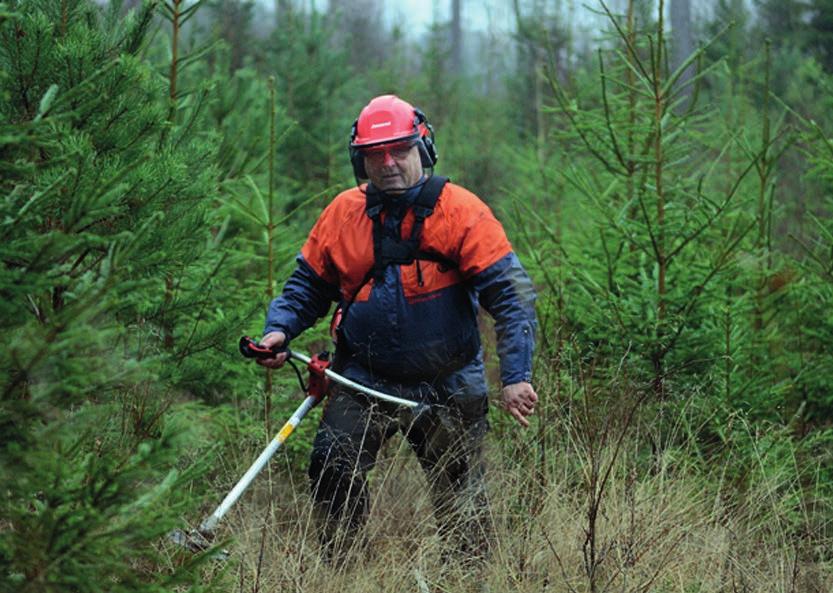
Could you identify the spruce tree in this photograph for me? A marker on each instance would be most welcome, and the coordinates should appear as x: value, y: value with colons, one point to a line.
x: 103, y: 197
x: 821, y: 32
x: 312, y: 97
x: 667, y: 224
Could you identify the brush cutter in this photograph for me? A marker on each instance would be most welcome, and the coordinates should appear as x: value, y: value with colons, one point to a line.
x: 198, y: 540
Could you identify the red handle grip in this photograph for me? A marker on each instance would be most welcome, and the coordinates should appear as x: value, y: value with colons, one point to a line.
x: 251, y: 349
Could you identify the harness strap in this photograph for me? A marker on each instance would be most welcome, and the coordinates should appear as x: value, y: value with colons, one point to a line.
x: 389, y: 250
x: 394, y: 250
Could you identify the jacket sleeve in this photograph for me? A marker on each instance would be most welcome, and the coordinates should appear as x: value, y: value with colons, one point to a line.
x: 505, y: 290
x: 306, y: 297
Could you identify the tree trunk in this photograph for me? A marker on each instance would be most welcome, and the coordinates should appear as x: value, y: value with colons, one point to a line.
x: 683, y: 43
x: 456, y: 38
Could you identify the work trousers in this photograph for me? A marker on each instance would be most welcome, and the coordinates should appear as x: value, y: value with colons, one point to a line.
x: 447, y: 438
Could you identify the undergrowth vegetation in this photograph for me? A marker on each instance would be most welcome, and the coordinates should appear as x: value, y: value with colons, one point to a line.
x: 161, y: 163
x: 616, y: 506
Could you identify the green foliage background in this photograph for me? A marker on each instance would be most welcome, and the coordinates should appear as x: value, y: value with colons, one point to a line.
x: 681, y: 225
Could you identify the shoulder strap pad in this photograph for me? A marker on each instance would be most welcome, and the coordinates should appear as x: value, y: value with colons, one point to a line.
x: 429, y: 194
x: 387, y: 250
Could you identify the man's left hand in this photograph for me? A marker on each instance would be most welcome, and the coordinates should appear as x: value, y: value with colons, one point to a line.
x: 519, y: 399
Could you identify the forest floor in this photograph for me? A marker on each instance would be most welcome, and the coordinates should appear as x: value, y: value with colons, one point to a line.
x: 669, y: 529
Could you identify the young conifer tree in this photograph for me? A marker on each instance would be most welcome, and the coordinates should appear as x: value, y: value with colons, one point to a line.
x: 807, y: 307
x: 96, y: 212
x: 668, y: 221
x: 313, y: 80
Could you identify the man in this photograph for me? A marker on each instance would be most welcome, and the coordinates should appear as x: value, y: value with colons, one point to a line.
x: 408, y: 257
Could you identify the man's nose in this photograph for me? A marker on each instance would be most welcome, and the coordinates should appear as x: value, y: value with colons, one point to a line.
x: 388, y: 160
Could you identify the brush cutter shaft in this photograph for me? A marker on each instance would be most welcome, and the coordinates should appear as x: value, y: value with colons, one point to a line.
x: 211, y: 522
x: 358, y: 386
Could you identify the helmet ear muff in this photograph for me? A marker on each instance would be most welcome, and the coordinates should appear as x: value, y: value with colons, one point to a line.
x: 427, y: 149
x: 356, y: 158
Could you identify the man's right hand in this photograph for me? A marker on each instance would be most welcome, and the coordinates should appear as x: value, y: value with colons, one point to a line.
x: 269, y: 341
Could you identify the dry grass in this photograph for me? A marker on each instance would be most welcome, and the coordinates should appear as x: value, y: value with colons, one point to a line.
x: 667, y: 528
x: 619, y: 503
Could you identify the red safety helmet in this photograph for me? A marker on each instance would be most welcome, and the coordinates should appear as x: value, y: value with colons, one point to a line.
x: 387, y: 119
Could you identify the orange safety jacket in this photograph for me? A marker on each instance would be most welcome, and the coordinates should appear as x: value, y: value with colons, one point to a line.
x: 416, y: 325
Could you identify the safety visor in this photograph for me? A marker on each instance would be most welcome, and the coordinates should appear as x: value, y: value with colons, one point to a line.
x: 391, y: 139
x: 397, y: 150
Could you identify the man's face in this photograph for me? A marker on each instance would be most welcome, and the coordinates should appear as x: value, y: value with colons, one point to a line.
x: 394, y: 167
